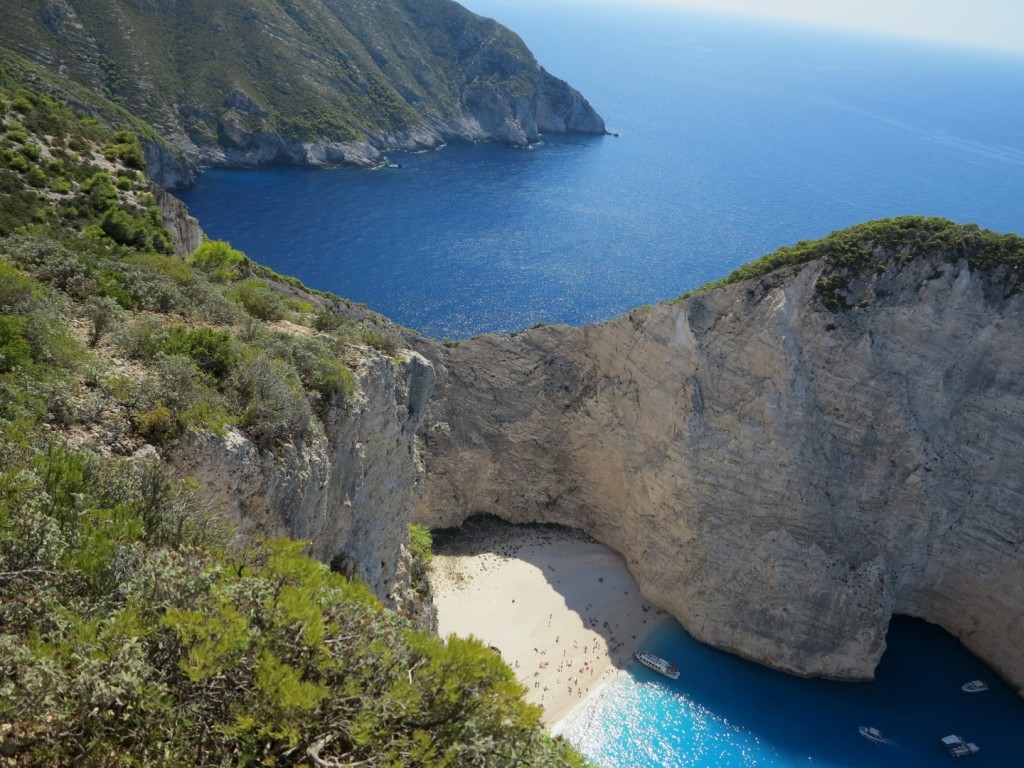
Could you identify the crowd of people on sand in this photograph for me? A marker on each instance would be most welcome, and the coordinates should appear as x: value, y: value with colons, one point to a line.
x: 577, y: 669
x: 577, y: 647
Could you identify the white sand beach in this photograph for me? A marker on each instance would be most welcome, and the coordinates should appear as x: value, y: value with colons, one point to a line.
x: 562, y: 609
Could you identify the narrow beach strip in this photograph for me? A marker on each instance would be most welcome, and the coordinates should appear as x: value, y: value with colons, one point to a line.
x: 562, y: 609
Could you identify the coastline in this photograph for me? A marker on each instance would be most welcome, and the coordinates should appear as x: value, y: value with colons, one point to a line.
x: 561, y: 608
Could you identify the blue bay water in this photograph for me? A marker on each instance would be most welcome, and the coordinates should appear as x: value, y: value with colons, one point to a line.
x: 725, y: 712
x: 735, y: 139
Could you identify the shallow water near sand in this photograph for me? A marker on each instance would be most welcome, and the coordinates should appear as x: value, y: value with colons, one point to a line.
x: 725, y: 712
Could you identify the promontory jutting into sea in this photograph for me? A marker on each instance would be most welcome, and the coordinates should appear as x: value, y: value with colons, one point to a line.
x: 668, y: 414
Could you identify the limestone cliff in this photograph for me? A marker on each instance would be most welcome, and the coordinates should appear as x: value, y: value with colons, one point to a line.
x: 350, y: 489
x: 785, y: 462
x: 186, y: 235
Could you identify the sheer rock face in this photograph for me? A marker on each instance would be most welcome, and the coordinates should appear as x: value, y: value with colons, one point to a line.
x: 186, y: 233
x: 782, y: 478
x: 350, y: 490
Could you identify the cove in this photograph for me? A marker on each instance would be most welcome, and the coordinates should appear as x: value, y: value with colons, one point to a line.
x: 736, y: 138
x: 725, y: 712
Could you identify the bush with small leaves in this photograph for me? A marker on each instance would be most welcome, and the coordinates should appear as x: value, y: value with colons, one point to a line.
x: 259, y: 300
x: 212, y: 350
x: 271, y: 401
x: 218, y: 260
x: 15, y: 351
x: 103, y: 313
x: 379, y: 340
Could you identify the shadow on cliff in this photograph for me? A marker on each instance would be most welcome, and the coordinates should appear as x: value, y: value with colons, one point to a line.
x: 608, y: 602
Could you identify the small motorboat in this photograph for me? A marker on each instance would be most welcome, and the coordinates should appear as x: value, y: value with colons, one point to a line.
x: 958, y: 747
x: 975, y: 686
x: 872, y: 733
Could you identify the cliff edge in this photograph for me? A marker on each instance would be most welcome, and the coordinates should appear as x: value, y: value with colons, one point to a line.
x: 785, y: 461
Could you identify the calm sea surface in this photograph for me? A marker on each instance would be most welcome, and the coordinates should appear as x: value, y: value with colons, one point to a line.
x: 734, y: 139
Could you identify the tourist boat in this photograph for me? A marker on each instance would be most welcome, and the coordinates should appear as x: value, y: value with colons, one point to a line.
x: 975, y: 686
x: 667, y: 668
x: 872, y: 733
x: 958, y: 747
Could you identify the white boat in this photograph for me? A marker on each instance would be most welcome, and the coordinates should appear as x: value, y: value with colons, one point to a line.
x: 975, y: 686
x: 958, y: 747
x: 658, y: 664
x: 872, y: 733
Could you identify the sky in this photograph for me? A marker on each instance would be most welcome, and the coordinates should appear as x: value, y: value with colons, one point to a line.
x: 993, y: 24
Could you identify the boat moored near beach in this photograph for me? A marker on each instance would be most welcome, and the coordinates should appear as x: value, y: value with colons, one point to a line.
x: 975, y: 686
x: 958, y: 747
x: 658, y: 664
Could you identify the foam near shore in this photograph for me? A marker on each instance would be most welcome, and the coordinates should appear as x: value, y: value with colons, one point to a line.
x: 562, y: 609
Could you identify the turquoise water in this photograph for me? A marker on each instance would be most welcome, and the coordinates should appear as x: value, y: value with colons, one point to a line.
x: 735, y: 139
x: 725, y: 712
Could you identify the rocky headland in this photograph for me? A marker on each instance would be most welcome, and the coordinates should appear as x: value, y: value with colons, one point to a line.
x: 309, y: 82
x: 785, y: 461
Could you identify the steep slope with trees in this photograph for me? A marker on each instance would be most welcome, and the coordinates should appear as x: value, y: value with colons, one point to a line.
x: 303, y: 81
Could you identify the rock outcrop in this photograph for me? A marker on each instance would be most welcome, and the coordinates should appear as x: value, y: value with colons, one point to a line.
x: 782, y: 476
x: 349, y: 490
x: 186, y: 233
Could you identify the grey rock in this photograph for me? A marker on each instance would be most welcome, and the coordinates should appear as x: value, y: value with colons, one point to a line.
x: 349, y: 489
x: 184, y: 228
x: 781, y: 478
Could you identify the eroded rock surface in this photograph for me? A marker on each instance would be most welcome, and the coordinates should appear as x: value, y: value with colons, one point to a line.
x: 781, y: 477
x: 350, y: 489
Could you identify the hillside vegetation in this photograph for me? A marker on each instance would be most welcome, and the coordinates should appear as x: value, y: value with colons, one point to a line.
x: 874, y: 246
x: 136, y: 628
x: 262, y: 81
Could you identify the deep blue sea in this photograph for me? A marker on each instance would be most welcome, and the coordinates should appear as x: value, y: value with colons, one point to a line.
x: 724, y: 712
x: 735, y: 138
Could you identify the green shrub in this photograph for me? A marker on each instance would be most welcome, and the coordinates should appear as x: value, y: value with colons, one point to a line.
x: 213, y: 351
x: 15, y: 351
x: 271, y: 401
x: 36, y: 177
x: 330, y: 377
x: 144, y: 339
x: 421, y: 543
x: 218, y: 260
x: 379, y: 341
x: 18, y: 291
x: 169, y: 266
x: 157, y: 424
x: 127, y: 149
x: 31, y: 152
x: 325, y: 320
x: 102, y: 313
x: 259, y: 300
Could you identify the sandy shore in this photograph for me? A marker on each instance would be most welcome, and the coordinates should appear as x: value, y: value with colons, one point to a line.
x: 562, y: 609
